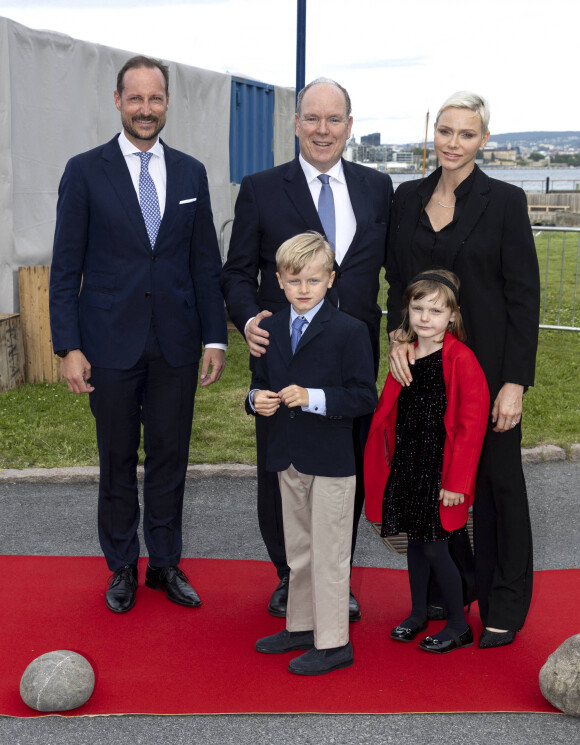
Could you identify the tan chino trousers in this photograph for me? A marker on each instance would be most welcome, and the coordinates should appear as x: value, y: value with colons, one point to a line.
x: 318, y: 514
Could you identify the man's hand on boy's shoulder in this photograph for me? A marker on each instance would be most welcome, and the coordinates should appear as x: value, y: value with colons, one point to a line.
x: 266, y: 403
x: 293, y: 396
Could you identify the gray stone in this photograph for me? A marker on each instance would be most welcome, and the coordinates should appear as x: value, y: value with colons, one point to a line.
x: 57, y: 681
x: 575, y: 452
x: 560, y: 677
x: 543, y: 453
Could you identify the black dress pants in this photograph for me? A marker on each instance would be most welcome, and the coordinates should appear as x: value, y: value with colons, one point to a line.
x: 502, y: 533
x: 270, y: 501
x: 161, y: 398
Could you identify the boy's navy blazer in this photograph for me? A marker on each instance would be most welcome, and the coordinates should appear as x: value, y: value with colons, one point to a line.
x: 102, y: 244
x: 334, y: 354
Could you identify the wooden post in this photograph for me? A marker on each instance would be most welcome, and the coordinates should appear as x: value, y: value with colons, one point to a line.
x: 11, y: 351
x: 40, y: 362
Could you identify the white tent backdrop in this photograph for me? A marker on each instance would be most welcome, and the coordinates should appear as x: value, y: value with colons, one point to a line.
x: 56, y: 100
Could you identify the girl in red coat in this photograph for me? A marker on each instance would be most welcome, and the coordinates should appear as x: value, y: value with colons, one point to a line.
x: 422, y: 453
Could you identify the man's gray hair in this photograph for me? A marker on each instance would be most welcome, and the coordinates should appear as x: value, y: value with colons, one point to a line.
x: 326, y: 81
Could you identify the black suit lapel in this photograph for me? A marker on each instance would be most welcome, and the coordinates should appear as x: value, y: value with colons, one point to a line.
x: 314, y: 328
x: 174, y: 166
x: 299, y: 195
x: 280, y: 335
x: 358, y: 192
x: 476, y: 205
x: 118, y: 174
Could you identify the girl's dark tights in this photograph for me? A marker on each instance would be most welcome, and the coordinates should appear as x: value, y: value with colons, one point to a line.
x: 422, y: 559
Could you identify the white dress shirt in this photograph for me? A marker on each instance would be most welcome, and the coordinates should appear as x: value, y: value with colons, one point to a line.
x: 157, y: 169
x: 345, y: 220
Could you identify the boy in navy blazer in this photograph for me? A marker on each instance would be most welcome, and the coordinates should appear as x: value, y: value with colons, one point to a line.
x: 317, y: 377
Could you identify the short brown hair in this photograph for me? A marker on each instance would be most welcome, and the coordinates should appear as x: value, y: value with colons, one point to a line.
x: 142, y: 61
x: 296, y: 252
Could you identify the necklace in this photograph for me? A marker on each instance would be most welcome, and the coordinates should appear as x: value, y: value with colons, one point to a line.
x: 447, y: 206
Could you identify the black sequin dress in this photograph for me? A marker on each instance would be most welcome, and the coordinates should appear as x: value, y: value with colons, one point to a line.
x: 411, y: 498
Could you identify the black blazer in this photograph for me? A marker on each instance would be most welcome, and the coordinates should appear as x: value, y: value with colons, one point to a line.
x: 106, y: 282
x: 493, y: 253
x: 275, y: 205
x: 333, y: 354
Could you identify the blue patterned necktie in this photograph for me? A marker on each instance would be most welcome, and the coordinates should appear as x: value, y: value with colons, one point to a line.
x: 297, y: 325
x: 148, y: 199
x: 326, y: 210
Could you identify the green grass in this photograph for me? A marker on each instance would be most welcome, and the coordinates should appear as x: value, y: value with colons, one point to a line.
x: 559, y: 260
x: 46, y: 426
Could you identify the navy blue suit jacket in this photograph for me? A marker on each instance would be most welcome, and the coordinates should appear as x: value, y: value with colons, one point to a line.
x: 275, y: 205
x: 334, y: 354
x: 107, y: 284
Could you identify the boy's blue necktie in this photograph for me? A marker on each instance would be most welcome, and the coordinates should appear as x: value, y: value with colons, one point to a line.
x: 297, y: 325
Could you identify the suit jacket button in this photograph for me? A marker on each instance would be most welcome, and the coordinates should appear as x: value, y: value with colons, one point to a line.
x: 154, y: 257
x: 147, y: 294
x: 292, y: 414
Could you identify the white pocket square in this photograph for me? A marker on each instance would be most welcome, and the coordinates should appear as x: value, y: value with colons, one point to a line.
x: 187, y: 201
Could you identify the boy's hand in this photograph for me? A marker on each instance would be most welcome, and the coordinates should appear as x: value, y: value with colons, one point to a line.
x: 266, y: 403
x: 451, y: 498
x: 293, y: 396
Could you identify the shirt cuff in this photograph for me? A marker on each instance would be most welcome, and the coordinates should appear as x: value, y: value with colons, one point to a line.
x: 216, y: 345
x: 316, y: 402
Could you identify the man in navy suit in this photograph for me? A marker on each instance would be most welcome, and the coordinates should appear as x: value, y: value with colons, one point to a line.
x: 134, y: 293
x: 277, y: 204
x: 316, y: 377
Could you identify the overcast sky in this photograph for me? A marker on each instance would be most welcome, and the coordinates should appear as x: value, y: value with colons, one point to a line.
x: 397, y: 58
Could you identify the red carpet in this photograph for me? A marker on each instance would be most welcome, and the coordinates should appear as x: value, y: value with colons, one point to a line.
x: 164, y: 659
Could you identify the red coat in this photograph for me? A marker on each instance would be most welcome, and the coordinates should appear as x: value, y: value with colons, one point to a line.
x: 466, y: 419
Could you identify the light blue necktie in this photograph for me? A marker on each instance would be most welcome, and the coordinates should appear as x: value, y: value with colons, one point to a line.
x: 326, y: 210
x: 148, y: 199
x: 297, y: 325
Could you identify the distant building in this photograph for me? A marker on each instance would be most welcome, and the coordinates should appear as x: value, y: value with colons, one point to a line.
x: 374, y: 139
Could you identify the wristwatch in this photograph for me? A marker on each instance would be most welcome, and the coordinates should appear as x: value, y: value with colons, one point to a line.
x: 64, y: 352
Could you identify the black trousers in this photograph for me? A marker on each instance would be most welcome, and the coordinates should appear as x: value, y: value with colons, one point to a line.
x: 502, y: 533
x: 270, y: 501
x: 161, y: 398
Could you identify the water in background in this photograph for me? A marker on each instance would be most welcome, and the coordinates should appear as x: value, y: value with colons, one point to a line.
x: 529, y: 179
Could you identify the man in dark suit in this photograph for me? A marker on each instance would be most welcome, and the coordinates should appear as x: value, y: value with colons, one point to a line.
x: 134, y: 293
x: 278, y: 204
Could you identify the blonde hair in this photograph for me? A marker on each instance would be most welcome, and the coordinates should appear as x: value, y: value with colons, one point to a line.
x: 425, y: 284
x: 471, y: 101
x: 296, y: 252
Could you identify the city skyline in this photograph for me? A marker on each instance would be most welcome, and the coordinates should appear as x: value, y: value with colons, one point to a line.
x: 397, y: 60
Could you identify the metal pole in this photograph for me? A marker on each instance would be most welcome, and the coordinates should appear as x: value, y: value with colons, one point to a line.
x: 547, y: 184
x: 300, y: 51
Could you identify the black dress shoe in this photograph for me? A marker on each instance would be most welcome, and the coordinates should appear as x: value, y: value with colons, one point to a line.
x: 321, y: 661
x: 429, y: 644
x: 490, y: 639
x: 353, y: 608
x: 285, y: 641
x: 407, y: 633
x: 175, y: 584
x: 120, y: 597
x: 279, y: 599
